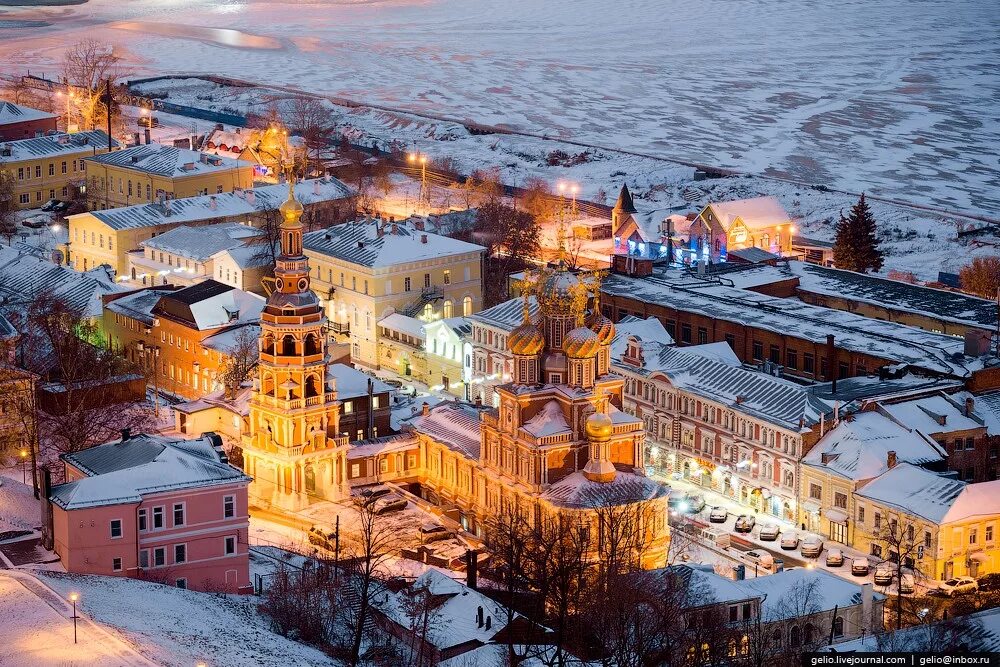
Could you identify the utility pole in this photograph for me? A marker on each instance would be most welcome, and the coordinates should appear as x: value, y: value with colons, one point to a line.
x: 107, y: 107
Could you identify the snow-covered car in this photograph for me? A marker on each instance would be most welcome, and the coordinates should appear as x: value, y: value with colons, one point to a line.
x: 50, y: 204
x: 907, y: 584
x: 390, y: 502
x: 372, y: 494
x: 812, y: 547
x: 761, y: 559
x: 834, y: 558
x: 61, y: 207
x: 860, y: 567
x: 884, y: 574
x: 432, y: 532
x: 744, y: 523
x: 958, y: 586
x: 677, y: 476
x: 695, y: 503
x: 37, y: 222
x: 718, y: 515
x: 769, y: 532
x: 321, y: 537
x: 790, y: 541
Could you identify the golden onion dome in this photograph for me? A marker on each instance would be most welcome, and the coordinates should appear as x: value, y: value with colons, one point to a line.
x: 526, y: 339
x: 603, y: 327
x: 581, y: 343
x: 599, y: 426
x: 291, y: 208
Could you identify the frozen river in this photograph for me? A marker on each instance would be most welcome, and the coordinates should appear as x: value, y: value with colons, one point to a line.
x: 898, y: 97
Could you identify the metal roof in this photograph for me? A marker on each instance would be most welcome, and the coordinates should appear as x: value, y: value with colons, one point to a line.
x: 508, y: 314
x: 455, y: 425
x: 11, y: 113
x: 168, y: 161
x: 54, y: 145
x: 374, y: 243
x: 116, y: 455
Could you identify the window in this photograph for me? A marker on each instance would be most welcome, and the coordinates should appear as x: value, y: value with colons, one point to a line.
x: 178, y: 514
x: 116, y: 529
x: 808, y: 363
x: 734, y: 613
x: 142, y: 520
x: 157, y: 517
x: 24, y: 198
x: 840, y: 500
x: 144, y: 558
x: 52, y: 168
x: 228, y: 507
x: 838, y: 626
x: 758, y: 351
x: 159, y: 557
x: 746, y: 610
x: 927, y: 539
x: 180, y: 553
x: 427, y: 280
x: 909, y: 533
x: 973, y: 535
x: 970, y: 443
x: 989, y: 533
x: 815, y: 491
x: 63, y: 168
x: 181, y: 583
x: 230, y: 546
x: 348, y: 407
x: 116, y: 564
x: 447, y: 277
x: 731, y: 341
x: 878, y: 521
x: 685, y: 333
x: 702, y: 335
x: 775, y: 354
x: 355, y: 470
x: 861, y: 514
x: 792, y: 359
x: 406, y: 284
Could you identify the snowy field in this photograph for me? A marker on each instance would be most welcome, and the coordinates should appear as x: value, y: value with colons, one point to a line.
x: 891, y: 96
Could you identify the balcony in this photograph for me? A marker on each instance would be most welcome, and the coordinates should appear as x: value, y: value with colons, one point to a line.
x: 339, y: 327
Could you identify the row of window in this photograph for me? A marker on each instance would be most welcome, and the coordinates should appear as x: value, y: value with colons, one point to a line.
x: 158, y: 516
x: 180, y: 554
x: 24, y: 173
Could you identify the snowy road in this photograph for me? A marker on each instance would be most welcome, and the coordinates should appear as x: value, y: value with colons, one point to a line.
x: 890, y: 96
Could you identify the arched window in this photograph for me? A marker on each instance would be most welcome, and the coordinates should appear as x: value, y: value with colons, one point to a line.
x: 312, y: 345
x: 776, y: 638
x: 447, y: 308
x: 838, y: 626
x: 428, y: 311
x: 795, y: 636
x: 310, y: 476
x: 466, y: 306
x: 312, y: 386
x: 288, y: 345
x: 810, y: 631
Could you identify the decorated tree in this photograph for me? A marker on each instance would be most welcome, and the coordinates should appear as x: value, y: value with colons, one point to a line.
x: 856, y: 245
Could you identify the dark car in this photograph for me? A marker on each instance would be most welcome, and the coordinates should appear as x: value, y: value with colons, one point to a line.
x: 61, y: 207
x: 49, y: 205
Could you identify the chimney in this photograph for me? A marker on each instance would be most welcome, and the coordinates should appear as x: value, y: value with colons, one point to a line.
x: 316, y: 187
x: 970, y: 406
x: 489, y: 622
x: 866, y: 609
x: 423, y: 238
x: 479, y: 615
x: 135, y: 135
x: 472, y: 569
x: 126, y: 434
x: 425, y: 410
x: 147, y: 136
x: 825, y: 458
x: 479, y: 401
x: 212, y: 204
x: 836, y: 412
x: 418, y: 225
x: 740, y: 399
x: 890, y: 459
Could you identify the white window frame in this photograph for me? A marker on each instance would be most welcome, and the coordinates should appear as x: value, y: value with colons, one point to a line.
x: 144, y: 556
x: 226, y: 502
x: 142, y: 518
x: 173, y: 514
x: 185, y: 546
x: 163, y: 517
x: 121, y: 529
x: 225, y: 545
x: 162, y: 550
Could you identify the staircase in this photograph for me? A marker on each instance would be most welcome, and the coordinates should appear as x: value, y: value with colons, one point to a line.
x: 427, y: 295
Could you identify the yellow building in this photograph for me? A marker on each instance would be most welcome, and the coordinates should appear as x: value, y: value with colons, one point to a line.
x: 107, y: 237
x: 938, y: 525
x: 153, y: 172
x: 50, y: 167
x: 401, y: 346
x: 445, y: 349
x: 365, y: 270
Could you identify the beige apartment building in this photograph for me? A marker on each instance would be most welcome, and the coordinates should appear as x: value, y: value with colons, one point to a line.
x: 365, y: 270
x: 49, y: 167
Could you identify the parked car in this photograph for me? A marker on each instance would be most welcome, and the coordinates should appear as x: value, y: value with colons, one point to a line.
x: 397, y: 384
x: 761, y: 559
x: 321, y: 537
x: 37, y: 222
x: 958, y: 586
x: 696, y: 503
x: 834, y: 558
x: 718, y: 515
x: 677, y: 501
x: 812, y: 547
x: 769, y: 532
x: 61, y: 207
x: 790, y: 541
x: 390, y: 502
x: 745, y: 523
x: 50, y: 204
x: 907, y: 585
x: 431, y: 532
x: 884, y: 574
x: 372, y: 494
x: 677, y: 476
x: 860, y: 567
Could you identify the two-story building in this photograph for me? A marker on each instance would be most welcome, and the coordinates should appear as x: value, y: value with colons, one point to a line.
x: 365, y: 270
x: 50, y: 167
x: 152, y: 507
x: 722, y: 227
x: 446, y: 348
x: 21, y: 122
x: 155, y: 172
x: 401, y: 346
x: 108, y: 236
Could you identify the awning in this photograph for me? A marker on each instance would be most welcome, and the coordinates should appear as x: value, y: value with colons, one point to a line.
x: 978, y: 556
x: 836, y: 516
x: 810, y: 506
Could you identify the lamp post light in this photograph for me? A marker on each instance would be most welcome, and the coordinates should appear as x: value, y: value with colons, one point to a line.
x: 73, y: 598
x: 24, y: 469
x: 421, y: 159
x: 70, y: 96
x: 573, y: 190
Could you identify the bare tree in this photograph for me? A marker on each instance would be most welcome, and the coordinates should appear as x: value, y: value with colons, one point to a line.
x: 511, y: 238
x: 538, y: 200
x: 89, y: 66
x: 423, y: 613
x: 239, y: 362
x: 8, y: 207
x: 310, y: 119
x: 903, y: 545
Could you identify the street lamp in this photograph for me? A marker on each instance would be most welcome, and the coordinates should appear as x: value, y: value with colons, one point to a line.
x: 24, y: 470
x: 73, y: 598
x: 415, y: 158
x: 69, y: 95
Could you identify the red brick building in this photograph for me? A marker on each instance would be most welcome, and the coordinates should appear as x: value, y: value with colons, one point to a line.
x: 17, y: 122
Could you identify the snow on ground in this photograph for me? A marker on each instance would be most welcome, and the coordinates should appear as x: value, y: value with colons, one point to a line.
x: 18, y: 508
x: 865, y: 94
x: 174, y: 627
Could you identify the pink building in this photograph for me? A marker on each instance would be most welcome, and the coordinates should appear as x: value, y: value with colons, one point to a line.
x: 155, y: 508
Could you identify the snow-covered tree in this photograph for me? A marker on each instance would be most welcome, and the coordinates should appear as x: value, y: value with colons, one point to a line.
x: 856, y: 245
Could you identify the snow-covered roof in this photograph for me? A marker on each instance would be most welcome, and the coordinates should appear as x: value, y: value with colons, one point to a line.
x: 756, y: 213
x: 455, y: 425
x: 918, y: 491
x: 11, y: 113
x: 703, y: 586
x: 650, y: 331
x: 167, y: 161
x: 54, y: 145
x: 375, y: 243
x: 236, y: 138
x: 792, y: 593
x: 893, y: 342
x: 508, y: 315
x: 979, y: 631
x: 577, y: 492
x: 858, y: 447
x: 125, y: 471
x: 938, y: 413
x: 987, y: 406
x: 24, y: 276
x: 210, y: 305
x: 399, y: 442
x: 897, y: 295
x: 200, y: 243
x: 352, y: 383
x: 548, y: 421
x: 225, y: 340
x: 720, y: 351
x: 753, y: 255
x: 774, y: 399
x: 249, y: 256
x: 224, y: 205
x: 404, y: 324
x: 139, y: 305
